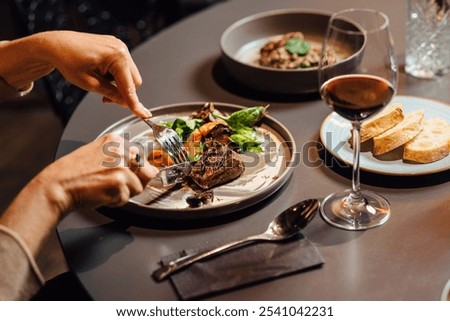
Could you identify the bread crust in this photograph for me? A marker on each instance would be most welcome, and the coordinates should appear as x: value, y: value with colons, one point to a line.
x: 386, y: 119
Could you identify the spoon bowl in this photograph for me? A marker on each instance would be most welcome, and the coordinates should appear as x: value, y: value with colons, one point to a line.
x: 284, y: 226
x: 293, y: 219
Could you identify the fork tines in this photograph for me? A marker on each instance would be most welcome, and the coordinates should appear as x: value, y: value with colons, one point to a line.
x: 171, y: 142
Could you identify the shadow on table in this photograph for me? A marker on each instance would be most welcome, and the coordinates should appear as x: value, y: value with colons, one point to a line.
x: 380, y: 180
x: 88, y: 247
x: 63, y: 287
x: 225, y: 81
x: 147, y: 221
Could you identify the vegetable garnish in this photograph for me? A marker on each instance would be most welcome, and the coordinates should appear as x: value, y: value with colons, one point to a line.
x: 241, y: 123
x: 297, y: 46
x: 184, y: 127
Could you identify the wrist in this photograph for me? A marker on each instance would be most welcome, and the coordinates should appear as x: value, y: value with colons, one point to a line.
x: 55, y: 196
x: 28, y: 61
x: 48, y: 45
x: 8, y: 92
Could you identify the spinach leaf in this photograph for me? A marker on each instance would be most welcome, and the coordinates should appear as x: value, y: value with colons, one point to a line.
x: 297, y: 46
x: 184, y: 127
x: 242, y: 122
x: 247, y: 117
x: 248, y: 140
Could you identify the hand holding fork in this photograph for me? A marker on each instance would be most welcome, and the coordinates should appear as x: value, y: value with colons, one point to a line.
x: 169, y: 140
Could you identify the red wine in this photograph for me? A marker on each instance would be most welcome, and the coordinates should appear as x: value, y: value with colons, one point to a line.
x: 356, y: 97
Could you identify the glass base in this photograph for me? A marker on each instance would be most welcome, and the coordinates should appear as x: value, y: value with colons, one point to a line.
x: 339, y: 210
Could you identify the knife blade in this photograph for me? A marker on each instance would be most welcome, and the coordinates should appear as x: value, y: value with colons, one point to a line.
x: 171, y: 175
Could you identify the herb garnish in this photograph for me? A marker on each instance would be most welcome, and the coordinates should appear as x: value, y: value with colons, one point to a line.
x: 184, y: 127
x: 241, y: 123
x: 297, y: 46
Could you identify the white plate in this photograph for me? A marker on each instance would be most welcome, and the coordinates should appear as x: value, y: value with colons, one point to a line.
x: 336, y: 131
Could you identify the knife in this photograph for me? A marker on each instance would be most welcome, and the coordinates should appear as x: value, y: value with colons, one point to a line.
x: 170, y: 175
x: 166, y: 179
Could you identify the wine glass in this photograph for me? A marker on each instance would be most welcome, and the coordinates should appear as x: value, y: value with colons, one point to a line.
x: 356, y: 89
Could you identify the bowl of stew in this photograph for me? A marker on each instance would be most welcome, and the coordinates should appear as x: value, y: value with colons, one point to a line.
x: 278, y: 51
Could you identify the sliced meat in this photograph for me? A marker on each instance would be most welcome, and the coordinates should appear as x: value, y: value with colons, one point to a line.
x: 220, y: 133
x: 218, y: 165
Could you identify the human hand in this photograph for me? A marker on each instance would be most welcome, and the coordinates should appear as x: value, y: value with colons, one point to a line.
x: 97, y: 174
x: 97, y: 63
x: 101, y: 173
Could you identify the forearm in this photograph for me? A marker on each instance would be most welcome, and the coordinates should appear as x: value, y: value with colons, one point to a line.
x: 34, y: 213
x: 81, y: 179
x: 20, y: 276
x: 24, y: 60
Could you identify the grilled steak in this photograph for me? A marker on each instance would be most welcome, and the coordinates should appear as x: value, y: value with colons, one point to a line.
x: 217, y: 165
x: 220, y: 133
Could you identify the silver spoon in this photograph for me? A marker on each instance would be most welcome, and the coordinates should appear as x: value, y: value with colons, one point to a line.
x: 284, y: 226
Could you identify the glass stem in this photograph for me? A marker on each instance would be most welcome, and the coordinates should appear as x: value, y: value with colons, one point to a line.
x: 355, y: 196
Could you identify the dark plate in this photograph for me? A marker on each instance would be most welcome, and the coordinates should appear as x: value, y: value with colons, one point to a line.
x: 265, y: 173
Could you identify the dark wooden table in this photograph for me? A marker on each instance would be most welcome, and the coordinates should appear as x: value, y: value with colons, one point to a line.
x: 408, y: 258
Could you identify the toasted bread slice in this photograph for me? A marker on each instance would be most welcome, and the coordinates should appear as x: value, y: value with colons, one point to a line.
x: 431, y: 144
x: 400, y: 134
x: 381, y: 122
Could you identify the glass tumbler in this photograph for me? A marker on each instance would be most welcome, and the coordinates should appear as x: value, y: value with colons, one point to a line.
x: 427, y: 38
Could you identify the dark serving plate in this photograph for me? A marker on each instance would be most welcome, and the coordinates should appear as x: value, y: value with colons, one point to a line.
x: 265, y: 173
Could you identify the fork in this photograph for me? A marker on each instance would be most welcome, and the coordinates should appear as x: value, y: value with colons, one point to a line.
x: 170, y: 141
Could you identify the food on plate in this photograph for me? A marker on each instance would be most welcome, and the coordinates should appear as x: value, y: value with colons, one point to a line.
x: 381, y: 122
x: 214, y: 142
x: 400, y: 134
x: 423, y: 140
x: 431, y: 144
x: 218, y: 165
x: 198, y: 198
x: 159, y: 158
x: 291, y: 51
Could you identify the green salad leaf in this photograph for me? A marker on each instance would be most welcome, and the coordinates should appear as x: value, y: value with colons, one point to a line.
x: 248, y: 140
x: 184, y: 127
x: 297, y: 46
x: 241, y: 123
x: 247, y: 117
